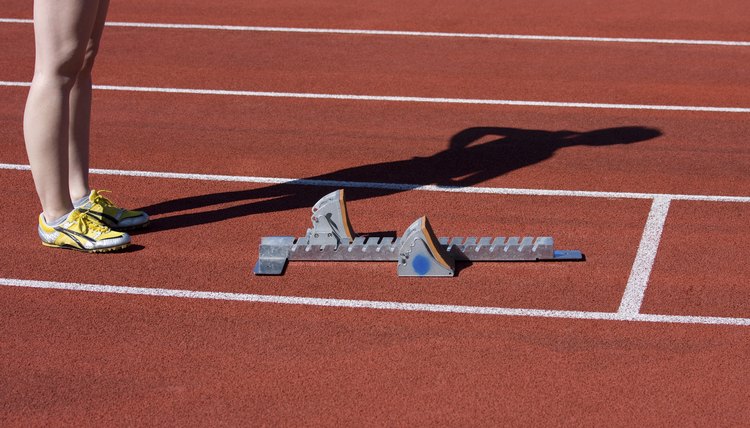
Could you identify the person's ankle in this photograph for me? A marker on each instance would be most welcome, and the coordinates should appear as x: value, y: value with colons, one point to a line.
x: 54, y: 218
x: 78, y: 198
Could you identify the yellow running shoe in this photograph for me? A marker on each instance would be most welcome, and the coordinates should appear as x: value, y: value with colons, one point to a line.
x: 116, y: 218
x: 83, y: 232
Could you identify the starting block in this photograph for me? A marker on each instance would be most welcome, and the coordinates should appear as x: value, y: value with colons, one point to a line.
x: 418, y: 252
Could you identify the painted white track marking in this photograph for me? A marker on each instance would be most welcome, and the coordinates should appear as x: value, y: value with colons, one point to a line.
x: 370, y: 304
x: 644, y: 259
x: 388, y: 98
x: 342, y: 31
x: 401, y: 187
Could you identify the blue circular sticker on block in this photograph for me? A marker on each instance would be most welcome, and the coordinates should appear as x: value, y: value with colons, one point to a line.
x: 421, y: 265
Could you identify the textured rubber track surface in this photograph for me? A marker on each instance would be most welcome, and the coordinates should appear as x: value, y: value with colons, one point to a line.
x: 93, y: 358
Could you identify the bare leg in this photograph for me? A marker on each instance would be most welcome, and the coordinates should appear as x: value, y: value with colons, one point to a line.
x: 80, y: 113
x: 62, y: 30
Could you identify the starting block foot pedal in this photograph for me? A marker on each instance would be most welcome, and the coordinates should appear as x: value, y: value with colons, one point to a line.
x: 421, y: 253
x: 330, y: 221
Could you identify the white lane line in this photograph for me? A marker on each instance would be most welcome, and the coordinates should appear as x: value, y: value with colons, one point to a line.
x: 645, y: 257
x: 411, y: 33
x: 400, y: 187
x: 16, y: 84
x: 388, y: 98
x: 371, y: 304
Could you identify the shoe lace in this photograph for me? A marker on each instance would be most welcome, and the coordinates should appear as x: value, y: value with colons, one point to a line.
x: 101, y: 199
x: 85, y: 222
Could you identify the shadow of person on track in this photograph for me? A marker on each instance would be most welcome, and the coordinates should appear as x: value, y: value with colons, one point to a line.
x: 473, y: 156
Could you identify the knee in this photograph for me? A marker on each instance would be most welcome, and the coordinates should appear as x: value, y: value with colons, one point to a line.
x: 66, y: 64
x: 88, y: 59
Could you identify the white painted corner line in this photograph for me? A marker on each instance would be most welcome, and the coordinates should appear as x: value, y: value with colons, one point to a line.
x: 406, y: 99
x: 403, y: 33
x: 372, y: 304
x: 645, y: 257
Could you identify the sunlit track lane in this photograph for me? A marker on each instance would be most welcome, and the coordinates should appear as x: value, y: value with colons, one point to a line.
x: 702, y: 264
x: 211, y: 243
x: 477, y: 69
x: 70, y: 356
x: 74, y: 356
x: 696, y: 19
x: 696, y: 153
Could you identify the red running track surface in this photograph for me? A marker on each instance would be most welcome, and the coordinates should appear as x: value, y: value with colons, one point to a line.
x: 74, y: 357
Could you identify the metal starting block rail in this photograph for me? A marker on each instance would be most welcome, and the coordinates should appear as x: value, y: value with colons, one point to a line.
x: 418, y: 252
